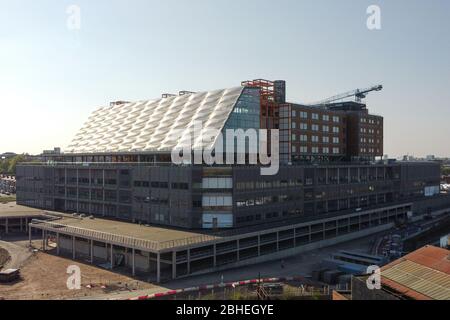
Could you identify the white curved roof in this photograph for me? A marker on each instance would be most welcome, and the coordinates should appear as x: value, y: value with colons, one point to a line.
x: 155, y: 125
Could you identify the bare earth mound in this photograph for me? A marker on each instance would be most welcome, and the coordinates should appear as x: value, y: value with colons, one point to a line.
x: 4, y: 257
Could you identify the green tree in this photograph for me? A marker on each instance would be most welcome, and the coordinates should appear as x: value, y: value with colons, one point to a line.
x: 8, y: 166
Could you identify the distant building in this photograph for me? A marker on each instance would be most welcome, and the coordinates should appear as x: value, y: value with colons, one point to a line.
x: 7, y: 155
x: 421, y: 275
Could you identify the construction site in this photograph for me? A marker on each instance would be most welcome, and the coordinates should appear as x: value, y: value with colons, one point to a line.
x: 114, y: 201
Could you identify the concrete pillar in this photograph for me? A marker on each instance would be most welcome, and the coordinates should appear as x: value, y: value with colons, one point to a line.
x: 133, y: 256
x: 74, y: 253
x: 6, y: 226
x: 92, y: 251
x: 29, y: 236
x: 112, y: 256
x: 57, y: 244
x: 278, y: 241
x: 43, y: 240
x: 295, y: 237
x: 214, y: 255
x: 26, y: 224
x: 21, y: 224
x: 158, y: 268
x: 174, y: 265
x: 237, y: 251
x: 259, y: 245
x: 188, y: 261
x: 78, y: 192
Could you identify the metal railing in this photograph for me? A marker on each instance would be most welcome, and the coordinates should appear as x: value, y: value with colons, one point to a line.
x: 97, y: 235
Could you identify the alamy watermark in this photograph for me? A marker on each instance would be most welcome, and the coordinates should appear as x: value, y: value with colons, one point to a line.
x: 374, y: 280
x: 208, y: 146
x: 74, y: 280
x: 374, y: 18
x: 73, y: 22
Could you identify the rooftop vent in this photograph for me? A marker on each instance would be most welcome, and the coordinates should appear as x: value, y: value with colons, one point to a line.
x: 117, y: 103
x: 183, y: 93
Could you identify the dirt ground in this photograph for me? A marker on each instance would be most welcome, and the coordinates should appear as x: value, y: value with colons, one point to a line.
x: 44, y: 277
x: 4, y: 257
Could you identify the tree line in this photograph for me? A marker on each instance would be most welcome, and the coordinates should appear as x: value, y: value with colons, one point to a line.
x: 8, y: 166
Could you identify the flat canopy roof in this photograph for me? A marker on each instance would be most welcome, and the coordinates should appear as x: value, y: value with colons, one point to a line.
x: 127, y: 229
x: 13, y: 210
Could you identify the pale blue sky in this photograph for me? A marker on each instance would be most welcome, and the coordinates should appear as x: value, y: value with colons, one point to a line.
x: 51, y: 78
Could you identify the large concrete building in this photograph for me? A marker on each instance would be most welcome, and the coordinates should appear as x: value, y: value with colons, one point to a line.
x: 329, y: 187
x: 119, y: 164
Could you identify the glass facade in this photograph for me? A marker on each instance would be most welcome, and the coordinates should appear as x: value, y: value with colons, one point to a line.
x: 245, y: 115
x: 246, y: 112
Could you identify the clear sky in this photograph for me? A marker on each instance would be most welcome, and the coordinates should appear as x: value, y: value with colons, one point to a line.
x: 52, y: 77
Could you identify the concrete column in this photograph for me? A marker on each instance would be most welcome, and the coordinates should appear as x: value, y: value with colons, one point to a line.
x: 90, y: 191
x: 43, y: 240
x: 188, y: 261
x: 92, y: 251
x: 26, y: 224
x: 65, y: 189
x: 324, y: 231
x: 112, y: 256
x: 259, y: 245
x: 133, y: 266
x: 103, y: 185
x: 78, y: 192
x: 237, y: 251
x: 74, y: 253
x: 57, y: 244
x: 278, y: 241
x: 6, y: 226
x: 21, y: 224
x: 158, y: 268
x: 214, y: 255
x: 29, y: 236
x: 174, y: 265
x: 295, y: 237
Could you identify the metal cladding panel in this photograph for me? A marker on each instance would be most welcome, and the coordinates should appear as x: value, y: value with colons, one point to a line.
x: 432, y: 283
x: 156, y: 125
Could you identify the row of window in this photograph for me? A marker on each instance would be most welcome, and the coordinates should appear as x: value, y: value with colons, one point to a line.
x: 259, y: 201
x: 269, y: 215
x: 315, y: 150
x: 369, y: 140
x: 325, y: 139
x: 217, y: 183
x: 315, y: 127
x: 217, y: 201
x: 370, y: 131
x: 370, y: 121
x: 369, y: 150
x: 174, y: 185
x: 314, y: 116
x: 251, y: 185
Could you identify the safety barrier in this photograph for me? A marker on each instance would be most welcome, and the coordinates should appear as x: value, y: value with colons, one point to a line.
x: 216, y: 286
